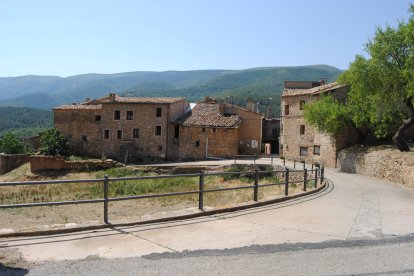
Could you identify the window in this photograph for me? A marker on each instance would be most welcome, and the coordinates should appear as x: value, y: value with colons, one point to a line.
x: 159, y: 112
x: 130, y: 115
x: 158, y: 130
x: 159, y: 148
x: 303, y: 151
x: 287, y: 109
x: 98, y: 117
x: 106, y: 133
x: 197, y: 144
x: 302, y: 129
x: 135, y: 133
x: 84, y: 138
x: 117, y: 114
x: 316, y: 150
x: 203, y: 129
x: 177, y: 132
x: 119, y: 134
x: 302, y: 105
x: 214, y: 129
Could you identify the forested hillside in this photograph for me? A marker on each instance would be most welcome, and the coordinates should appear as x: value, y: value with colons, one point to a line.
x: 261, y: 84
x: 24, y: 121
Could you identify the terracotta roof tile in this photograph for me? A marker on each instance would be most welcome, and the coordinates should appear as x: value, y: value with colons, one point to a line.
x: 208, y: 115
x: 312, y: 91
x: 144, y: 100
x: 78, y: 107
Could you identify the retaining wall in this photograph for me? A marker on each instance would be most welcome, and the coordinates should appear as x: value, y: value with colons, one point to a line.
x: 45, y: 163
x: 10, y: 162
x: 383, y: 162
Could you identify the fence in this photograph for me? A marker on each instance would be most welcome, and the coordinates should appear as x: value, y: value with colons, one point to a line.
x: 306, y: 176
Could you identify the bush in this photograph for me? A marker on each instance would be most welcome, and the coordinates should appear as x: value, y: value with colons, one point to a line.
x: 10, y: 144
x: 54, y: 143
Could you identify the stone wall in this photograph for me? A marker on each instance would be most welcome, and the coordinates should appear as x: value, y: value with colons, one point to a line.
x: 56, y: 163
x: 215, y: 142
x: 10, y: 162
x: 86, y: 132
x: 382, y: 162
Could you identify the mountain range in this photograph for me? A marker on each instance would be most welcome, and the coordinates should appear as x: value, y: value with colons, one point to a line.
x: 262, y: 84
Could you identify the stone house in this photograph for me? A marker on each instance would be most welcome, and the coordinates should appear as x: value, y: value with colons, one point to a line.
x: 213, y: 129
x: 298, y: 139
x: 124, y: 128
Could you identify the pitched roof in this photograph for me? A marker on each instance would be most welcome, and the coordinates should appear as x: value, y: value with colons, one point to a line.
x: 78, y: 107
x: 312, y: 91
x: 143, y: 100
x: 208, y: 115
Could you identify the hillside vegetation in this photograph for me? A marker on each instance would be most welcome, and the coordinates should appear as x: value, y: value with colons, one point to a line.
x: 238, y: 85
x: 24, y: 121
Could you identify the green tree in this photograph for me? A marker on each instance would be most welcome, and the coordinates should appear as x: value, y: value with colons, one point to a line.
x: 328, y: 115
x: 54, y: 143
x: 11, y: 144
x: 381, y: 96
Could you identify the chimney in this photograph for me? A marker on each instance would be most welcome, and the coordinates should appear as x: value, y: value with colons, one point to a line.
x: 251, y: 105
x: 112, y: 97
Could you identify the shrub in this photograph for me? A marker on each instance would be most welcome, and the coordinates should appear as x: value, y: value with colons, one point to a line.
x: 54, y: 143
x: 10, y: 144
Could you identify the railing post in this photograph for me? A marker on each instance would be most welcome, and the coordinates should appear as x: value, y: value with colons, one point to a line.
x: 106, y: 199
x: 322, y: 174
x: 287, y: 182
x: 294, y: 163
x: 304, y: 164
x: 316, y: 177
x: 256, y: 185
x: 305, y: 179
x: 284, y: 162
x: 201, y: 192
x: 312, y: 167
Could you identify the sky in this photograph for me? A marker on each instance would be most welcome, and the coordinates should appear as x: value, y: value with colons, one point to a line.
x: 71, y: 37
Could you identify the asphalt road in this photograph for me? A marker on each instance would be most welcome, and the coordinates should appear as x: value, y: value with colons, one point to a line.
x: 393, y: 256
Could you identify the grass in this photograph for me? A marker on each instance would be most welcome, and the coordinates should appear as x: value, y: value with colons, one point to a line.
x: 121, y: 188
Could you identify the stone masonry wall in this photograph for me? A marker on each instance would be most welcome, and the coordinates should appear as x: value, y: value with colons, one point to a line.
x: 382, y: 162
x: 10, y: 162
x: 222, y: 142
x: 45, y: 163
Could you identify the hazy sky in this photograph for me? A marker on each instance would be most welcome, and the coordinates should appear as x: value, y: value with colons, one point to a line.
x: 72, y: 37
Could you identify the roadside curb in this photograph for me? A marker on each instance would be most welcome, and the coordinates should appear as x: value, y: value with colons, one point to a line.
x: 168, y: 219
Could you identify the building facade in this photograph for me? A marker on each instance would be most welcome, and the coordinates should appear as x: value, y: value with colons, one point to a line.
x: 218, y: 130
x: 123, y: 128
x: 298, y: 139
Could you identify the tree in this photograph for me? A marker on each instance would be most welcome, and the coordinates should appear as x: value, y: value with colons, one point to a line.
x: 54, y: 143
x: 11, y: 144
x: 381, y: 96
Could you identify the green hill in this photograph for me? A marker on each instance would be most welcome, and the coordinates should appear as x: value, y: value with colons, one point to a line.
x: 261, y: 84
x: 24, y: 121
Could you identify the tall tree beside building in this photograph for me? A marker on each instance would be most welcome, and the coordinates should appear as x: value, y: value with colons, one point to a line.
x: 382, y: 85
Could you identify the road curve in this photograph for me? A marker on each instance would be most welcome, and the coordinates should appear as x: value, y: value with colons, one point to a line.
x: 351, y: 207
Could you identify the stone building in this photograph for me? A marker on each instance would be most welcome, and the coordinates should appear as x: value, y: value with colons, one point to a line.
x: 299, y: 140
x: 124, y: 128
x: 213, y: 129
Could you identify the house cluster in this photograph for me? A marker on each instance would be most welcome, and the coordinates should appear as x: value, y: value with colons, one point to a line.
x: 132, y: 129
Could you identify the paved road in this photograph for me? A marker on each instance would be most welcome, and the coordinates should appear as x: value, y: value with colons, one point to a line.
x: 386, y: 257
x: 353, y: 207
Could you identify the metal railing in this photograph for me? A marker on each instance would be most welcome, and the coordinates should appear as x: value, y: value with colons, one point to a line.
x: 317, y: 173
